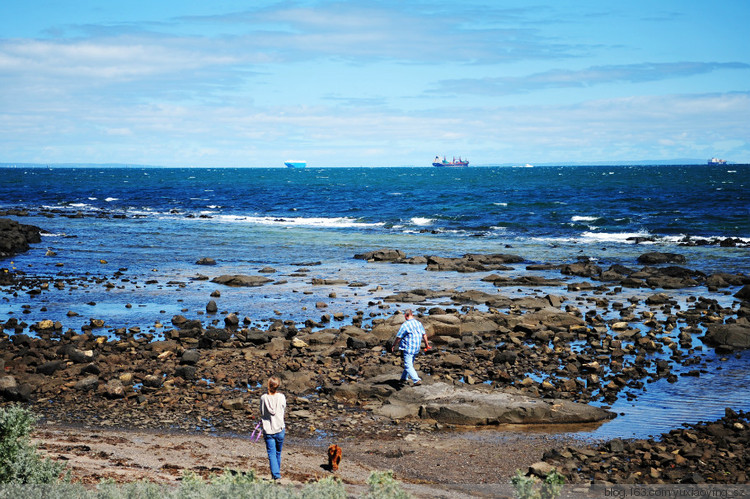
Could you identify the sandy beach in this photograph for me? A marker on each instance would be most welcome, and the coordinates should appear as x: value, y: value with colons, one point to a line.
x: 448, y: 464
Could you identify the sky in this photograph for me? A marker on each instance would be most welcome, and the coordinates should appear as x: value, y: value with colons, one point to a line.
x: 373, y: 83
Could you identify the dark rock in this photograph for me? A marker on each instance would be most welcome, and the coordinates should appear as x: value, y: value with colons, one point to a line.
x: 257, y: 337
x: 211, y: 307
x: 241, y: 280
x: 217, y: 334
x: 50, y: 367
x: 153, y: 381
x: 382, y: 255
x: 743, y: 294
x: 655, y: 258
x: 12, y: 391
x: 505, y: 356
x: 581, y: 269
x: 185, y: 372
x: 206, y: 261
x: 190, y: 357
x: 91, y: 369
x: 728, y: 336
x: 88, y: 383
x: 15, y: 237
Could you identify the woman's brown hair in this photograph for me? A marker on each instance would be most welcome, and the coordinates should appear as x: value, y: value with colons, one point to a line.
x: 273, y: 384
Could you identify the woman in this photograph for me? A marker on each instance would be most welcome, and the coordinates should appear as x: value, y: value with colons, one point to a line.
x: 272, y: 407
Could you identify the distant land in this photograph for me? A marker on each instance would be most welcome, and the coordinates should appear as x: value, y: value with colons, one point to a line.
x: 643, y: 162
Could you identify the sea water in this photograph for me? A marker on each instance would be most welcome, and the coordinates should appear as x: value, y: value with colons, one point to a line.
x: 143, y: 229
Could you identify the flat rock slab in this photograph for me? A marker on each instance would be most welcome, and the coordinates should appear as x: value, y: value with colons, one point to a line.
x: 241, y: 280
x: 477, y: 406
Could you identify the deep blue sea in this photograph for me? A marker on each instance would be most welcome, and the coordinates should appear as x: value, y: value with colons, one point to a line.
x: 152, y: 224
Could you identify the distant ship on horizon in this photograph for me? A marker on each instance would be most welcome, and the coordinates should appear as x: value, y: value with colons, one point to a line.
x: 444, y: 162
x: 717, y: 161
x: 295, y: 164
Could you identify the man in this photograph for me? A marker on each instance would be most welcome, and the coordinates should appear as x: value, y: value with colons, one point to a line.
x: 409, y: 340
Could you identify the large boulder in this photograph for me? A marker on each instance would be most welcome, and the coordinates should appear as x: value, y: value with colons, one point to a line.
x: 15, y: 237
x: 473, y: 262
x: 728, y: 336
x: 238, y: 280
x: 382, y: 255
x: 483, y: 406
x: 655, y: 258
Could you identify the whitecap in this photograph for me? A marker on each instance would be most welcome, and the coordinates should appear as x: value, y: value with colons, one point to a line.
x: 500, y: 204
x: 578, y: 218
x: 109, y: 200
x: 614, y: 237
x: 421, y: 221
x: 333, y: 222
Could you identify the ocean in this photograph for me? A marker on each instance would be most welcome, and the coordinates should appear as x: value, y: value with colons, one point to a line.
x: 144, y: 229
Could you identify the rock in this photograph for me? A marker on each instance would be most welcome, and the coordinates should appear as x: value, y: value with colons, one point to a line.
x: 186, y: 372
x: 298, y: 382
x: 190, y: 356
x: 472, y: 262
x: 480, y: 406
x: 50, y: 367
x: 88, y: 383
x: 114, y: 389
x: 153, y: 381
x: 744, y: 293
x: 452, y: 360
x: 206, y: 261
x: 658, y: 299
x: 298, y: 343
x: 654, y: 258
x: 541, y: 469
x: 728, y: 336
x: 16, y: 238
x: 231, y: 321
x: 211, y: 307
x: 7, y: 382
x: 581, y: 269
x: 505, y: 356
x: 238, y: 280
x: 382, y: 255
x: 11, y: 390
x: 79, y: 356
x: 215, y: 334
x: 45, y: 325
x: 236, y: 404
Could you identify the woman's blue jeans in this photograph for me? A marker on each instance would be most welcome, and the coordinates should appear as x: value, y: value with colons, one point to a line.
x: 409, y: 370
x: 274, y: 443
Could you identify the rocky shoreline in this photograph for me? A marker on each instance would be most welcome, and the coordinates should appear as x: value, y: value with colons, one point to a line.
x: 537, y: 359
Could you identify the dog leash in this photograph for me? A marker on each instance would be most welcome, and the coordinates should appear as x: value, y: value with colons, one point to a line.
x: 255, y: 435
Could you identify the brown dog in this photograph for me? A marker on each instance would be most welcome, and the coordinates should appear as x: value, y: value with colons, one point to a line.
x: 334, y: 456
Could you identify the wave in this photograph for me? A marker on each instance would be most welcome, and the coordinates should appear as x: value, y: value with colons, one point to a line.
x: 422, y: 221
x: 579, y: 218
x: 323, y: 222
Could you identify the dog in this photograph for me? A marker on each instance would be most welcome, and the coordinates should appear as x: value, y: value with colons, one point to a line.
x: 334, y: 457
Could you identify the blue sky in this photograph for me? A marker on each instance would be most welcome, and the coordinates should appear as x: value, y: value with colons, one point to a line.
x: 380, y: 83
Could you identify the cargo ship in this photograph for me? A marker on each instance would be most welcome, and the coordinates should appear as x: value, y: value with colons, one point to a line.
x: 455, y: 162
x: 295, y: 164
x: 717, y: 161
